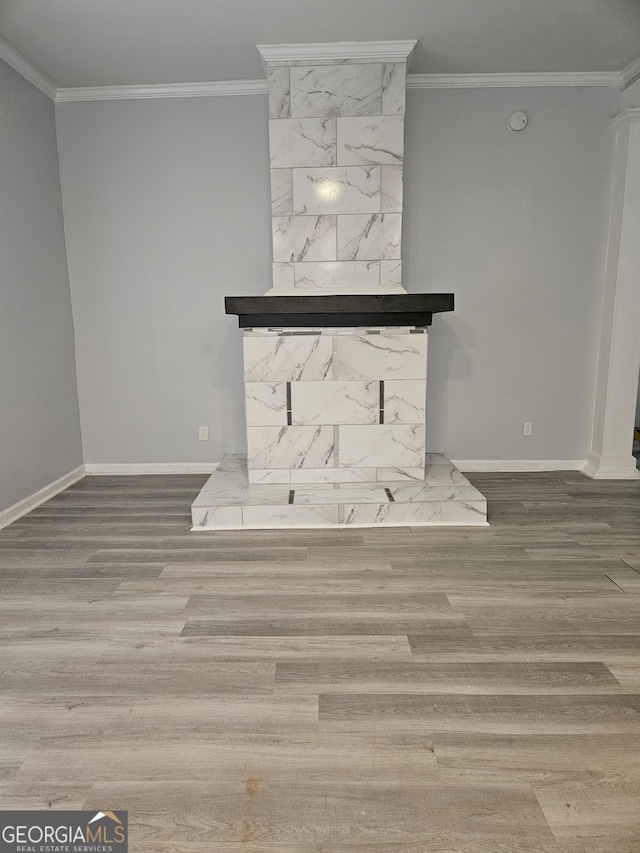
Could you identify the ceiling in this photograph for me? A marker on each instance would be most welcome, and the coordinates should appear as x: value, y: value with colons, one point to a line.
x: 79, y: 43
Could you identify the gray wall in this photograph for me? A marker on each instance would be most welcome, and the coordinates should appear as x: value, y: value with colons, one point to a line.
x: 166, y: 206
x: 515, y: 224
x: 39, y: 423
x: 167, y: 211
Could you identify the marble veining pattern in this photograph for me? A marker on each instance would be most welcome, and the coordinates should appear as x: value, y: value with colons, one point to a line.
x: 391, y: 275
x: 392, y: 514
x: 327, y: 476
x: 290, y: 447
x: 290, y: 516
x: 347, y: 493
x: 335, y: 276
x: 283, y: 276
x: 394, y: 474
x: 411, y: 492
x: 343, y: 407
x: 302, y: 142
x: 336, y: 90
x: 281, y: 192
x: 464, y: 512
x: 304, y: 238
x: 351, y: 189
x: 227, y: 502
x: 217, y: 516
x: 442, y: 474
x: 266, y: 403
x: 382, y: 356
x: 336, y: 131
x: 383, y: 445
x: 286, y: 358
x: 269, y: 476
x: 394, y: 85
x: 405, y: 401
x: 369, y: 237
x: 333, y: 402
x: 279, y: 95
x: 376, y: 139
x: 391, y: 184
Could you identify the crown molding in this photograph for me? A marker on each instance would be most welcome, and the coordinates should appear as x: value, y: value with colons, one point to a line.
x: 497, y: 81
x: 359, y: 52
x: 630, y: 116
x: 25, y: 68
x: 351, y: 51
x: 162, y: 90
x: 631, y: 73
x: 259, y: 87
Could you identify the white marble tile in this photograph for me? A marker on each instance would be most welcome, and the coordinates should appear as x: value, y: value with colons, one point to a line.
x: 382, y: 356
x: 394, y: 85
x: 304, y: 238
x: 420, y: 492
x: 336, y: 90
x: 302, y: 142
x: 404, y: 474
x: 290, y: 515
x: 217, y: 516
x: 230, y: 474
x: 287, y: 358
x: 278, y: 88
x: 390, y: 274
x: 469, y: 512
x: 281, y: 192
x: 369, y: 140
x: 266, y: 403
x: 331, y: 402
x: 369, y: 236
x: 405, y: 401
x: 351, y: 189
x: 290, y: 447
x: 255, y: 494
x: 269, y: 477
x: 333, y: 475
x: 348, y: 493
x: 391, y: 183
x: 443, y: 475
x: 227, y: 502
x: 391, y: 513
x: 282, y: 276
x: 338, y: 275
x: 397, y: 445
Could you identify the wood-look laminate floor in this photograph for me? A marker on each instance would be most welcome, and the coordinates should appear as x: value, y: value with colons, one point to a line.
x: 342, y: 691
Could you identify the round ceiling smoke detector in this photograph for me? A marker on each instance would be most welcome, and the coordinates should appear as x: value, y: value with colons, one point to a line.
x: 518, y: 121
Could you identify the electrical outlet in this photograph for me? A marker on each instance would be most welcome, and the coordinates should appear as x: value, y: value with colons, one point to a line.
x: 527, y: 428
x: 203, y: 433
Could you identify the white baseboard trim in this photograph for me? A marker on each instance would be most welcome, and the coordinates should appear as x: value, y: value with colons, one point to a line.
x: 13, y: 513
x: 611, y: 467
x: 125, y: 469
x: 518, y: 465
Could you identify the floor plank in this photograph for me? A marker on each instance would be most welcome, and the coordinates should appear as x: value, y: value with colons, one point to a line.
x: 390, y: 690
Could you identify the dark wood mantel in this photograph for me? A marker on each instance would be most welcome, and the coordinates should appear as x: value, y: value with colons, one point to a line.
x: 353, y: 309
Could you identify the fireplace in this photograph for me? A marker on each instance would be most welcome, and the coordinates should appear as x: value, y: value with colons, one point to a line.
x: 335, y: 353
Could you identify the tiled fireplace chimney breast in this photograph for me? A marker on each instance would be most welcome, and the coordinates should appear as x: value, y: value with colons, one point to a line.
x: 335, y: 353
x: 336, y: 138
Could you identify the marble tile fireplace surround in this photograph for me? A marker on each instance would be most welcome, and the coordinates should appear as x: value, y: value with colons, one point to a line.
x: 335, y: 353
